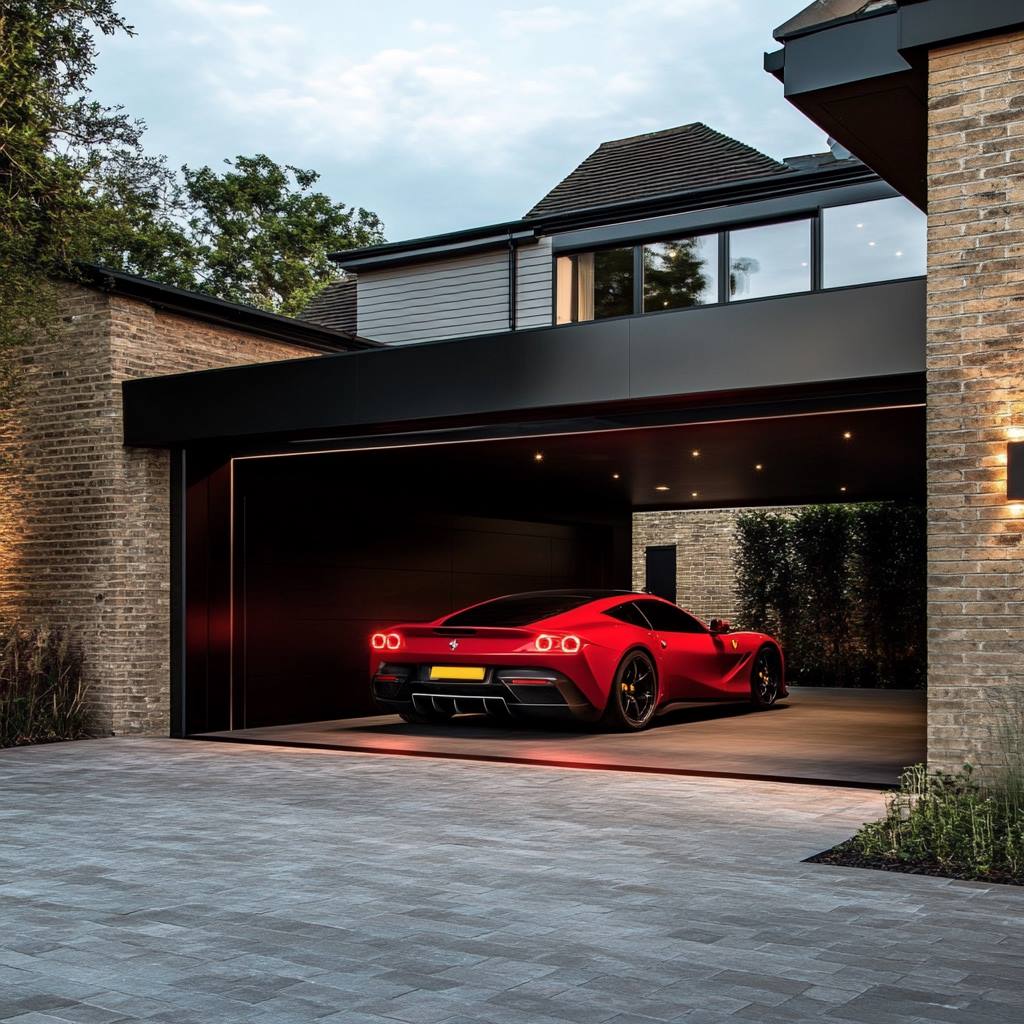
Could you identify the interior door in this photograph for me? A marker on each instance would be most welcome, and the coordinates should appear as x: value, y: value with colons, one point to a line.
x: 692, y: 660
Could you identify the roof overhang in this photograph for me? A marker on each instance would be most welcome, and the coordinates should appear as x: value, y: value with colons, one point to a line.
x: 863, y: 79
x: 216, y: 311
x: 446, y: 246
x: 820, y: 339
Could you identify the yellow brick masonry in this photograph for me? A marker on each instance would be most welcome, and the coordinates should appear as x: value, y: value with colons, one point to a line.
x: 84, y: 521
x: 975, y: 359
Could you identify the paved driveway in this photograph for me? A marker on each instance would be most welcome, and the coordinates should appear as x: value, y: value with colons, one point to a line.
x: 190, y: 882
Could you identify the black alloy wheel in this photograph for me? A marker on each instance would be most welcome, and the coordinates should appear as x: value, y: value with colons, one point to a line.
x: 634, y: 696
x: 765, y: 679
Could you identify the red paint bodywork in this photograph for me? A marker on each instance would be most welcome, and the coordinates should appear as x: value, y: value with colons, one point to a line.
x: 702, y: 666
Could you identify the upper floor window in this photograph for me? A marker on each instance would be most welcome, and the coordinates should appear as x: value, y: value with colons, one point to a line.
x: 837, y: 246
x: 594, y: 285
x: 878, y: 241
x: 680, y: 274
x: 771, y: 260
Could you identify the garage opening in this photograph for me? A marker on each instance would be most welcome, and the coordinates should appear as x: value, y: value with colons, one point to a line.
x: 328, y: 547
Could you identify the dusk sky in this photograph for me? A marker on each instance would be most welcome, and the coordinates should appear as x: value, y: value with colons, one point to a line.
x: 446, y: 115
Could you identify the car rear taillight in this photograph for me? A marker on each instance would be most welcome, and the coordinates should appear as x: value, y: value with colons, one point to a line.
x: 568, y: 644
x: 386, y: 641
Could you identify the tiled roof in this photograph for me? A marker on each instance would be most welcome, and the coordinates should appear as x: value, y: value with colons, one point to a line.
x: 658, y: 164
x: 822, y: 12
x: 334, y: 307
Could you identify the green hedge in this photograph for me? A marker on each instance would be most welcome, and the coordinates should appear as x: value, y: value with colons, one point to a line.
x: 843, y: 588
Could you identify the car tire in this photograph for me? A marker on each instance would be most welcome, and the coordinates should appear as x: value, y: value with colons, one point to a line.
x: 630, y: 709
x: 426, y: 717
x: 765, y: 678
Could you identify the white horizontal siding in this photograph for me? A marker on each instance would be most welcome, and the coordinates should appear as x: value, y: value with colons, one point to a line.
x: 533, y: 285
x: 455, y: 298
x: 437, y: 300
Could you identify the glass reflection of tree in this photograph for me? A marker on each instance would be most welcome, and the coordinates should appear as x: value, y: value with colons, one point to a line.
x: 741, y: 270
x: 613, y: 282
x: 675, y: 275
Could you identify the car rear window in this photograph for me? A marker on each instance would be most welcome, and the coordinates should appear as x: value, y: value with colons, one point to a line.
x: 518, y: 609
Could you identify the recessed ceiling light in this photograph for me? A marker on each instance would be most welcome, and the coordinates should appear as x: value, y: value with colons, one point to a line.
x: 661, y: 487
x: 871, y: 245
x: 847, y: 435
x: 860, y: 225
x: 538, y: 456
x: 899, y: 252
x: 693, y: 494
x: 843, y: 489
x: 695, y: 453
x: 615, y: 476
x: 759, y: 467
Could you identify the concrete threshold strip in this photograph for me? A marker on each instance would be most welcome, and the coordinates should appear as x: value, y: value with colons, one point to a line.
x: 794, y: 780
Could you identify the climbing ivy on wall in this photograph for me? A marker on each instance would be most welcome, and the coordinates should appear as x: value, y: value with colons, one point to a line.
x: 843, y: 588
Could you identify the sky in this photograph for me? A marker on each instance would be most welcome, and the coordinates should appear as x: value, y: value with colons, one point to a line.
x: 445, y: 115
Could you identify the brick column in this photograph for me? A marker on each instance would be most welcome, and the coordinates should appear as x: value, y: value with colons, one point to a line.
x: 975, y: 359
x: 84, y: 521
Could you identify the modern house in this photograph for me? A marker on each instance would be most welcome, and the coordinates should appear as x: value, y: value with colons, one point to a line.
x: 682, y: 328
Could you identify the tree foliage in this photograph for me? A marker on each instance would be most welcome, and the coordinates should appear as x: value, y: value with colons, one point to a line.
x: 258, y: 232
x: 76, y: 185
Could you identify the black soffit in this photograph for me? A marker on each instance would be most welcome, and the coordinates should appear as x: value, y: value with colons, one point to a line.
x: 838, y: 456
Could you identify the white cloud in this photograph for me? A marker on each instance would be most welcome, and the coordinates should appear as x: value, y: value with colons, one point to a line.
x: 537, y: 20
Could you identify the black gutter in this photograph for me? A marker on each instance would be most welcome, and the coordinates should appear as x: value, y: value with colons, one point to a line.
x: 489, y: 236
x: 218, y: 311
x: 729, y: 194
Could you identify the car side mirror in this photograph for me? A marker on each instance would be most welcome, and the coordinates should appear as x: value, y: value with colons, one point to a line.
x: 719, y: 625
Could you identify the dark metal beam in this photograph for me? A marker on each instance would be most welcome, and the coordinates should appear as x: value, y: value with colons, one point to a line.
x: 873, y: 331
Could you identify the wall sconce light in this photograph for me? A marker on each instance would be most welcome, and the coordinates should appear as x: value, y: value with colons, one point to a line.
x: 1015, y: 470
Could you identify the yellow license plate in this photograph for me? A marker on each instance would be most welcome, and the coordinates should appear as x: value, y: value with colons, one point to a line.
x: 455, y: 672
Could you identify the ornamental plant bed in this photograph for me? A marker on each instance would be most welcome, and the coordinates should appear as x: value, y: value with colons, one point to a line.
x: 948, y: 825
x: 43, y: 698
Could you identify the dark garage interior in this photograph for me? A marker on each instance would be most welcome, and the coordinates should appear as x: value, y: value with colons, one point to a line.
x: 328, y: 546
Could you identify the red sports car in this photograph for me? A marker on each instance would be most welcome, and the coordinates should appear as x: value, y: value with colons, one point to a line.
x: 589, y: 654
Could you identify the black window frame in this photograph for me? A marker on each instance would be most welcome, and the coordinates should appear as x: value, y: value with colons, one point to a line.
x: 813, y: 216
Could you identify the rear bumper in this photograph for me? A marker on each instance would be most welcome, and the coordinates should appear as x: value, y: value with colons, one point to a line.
x: 535, y: 693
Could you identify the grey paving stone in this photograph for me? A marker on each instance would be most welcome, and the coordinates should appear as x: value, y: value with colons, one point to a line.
x: 196, y: 883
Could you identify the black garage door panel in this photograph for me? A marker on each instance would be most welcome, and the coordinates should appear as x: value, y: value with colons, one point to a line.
x: 312, y: 583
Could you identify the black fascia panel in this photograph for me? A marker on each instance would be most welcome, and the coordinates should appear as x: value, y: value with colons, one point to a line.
x: 398, y: 257
x: 930, y: 23
x: 856, y: 333
x: 714, y: 219
x: 843, y: 54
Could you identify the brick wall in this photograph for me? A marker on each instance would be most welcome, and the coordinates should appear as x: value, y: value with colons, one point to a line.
x: 975, y: 392
x: 705, y: 542
x: 84, y: 521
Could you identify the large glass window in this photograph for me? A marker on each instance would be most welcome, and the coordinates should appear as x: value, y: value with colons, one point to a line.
x: 877, y: 241
x: 680, y: 274
x: 770, y: 260
x: 594, y: 285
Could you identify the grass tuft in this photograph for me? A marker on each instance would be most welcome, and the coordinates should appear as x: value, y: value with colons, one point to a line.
x: 42, y: 696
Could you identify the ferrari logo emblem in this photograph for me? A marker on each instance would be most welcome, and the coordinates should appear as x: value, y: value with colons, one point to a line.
x: 453, y: 645
x: 735, y: 643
